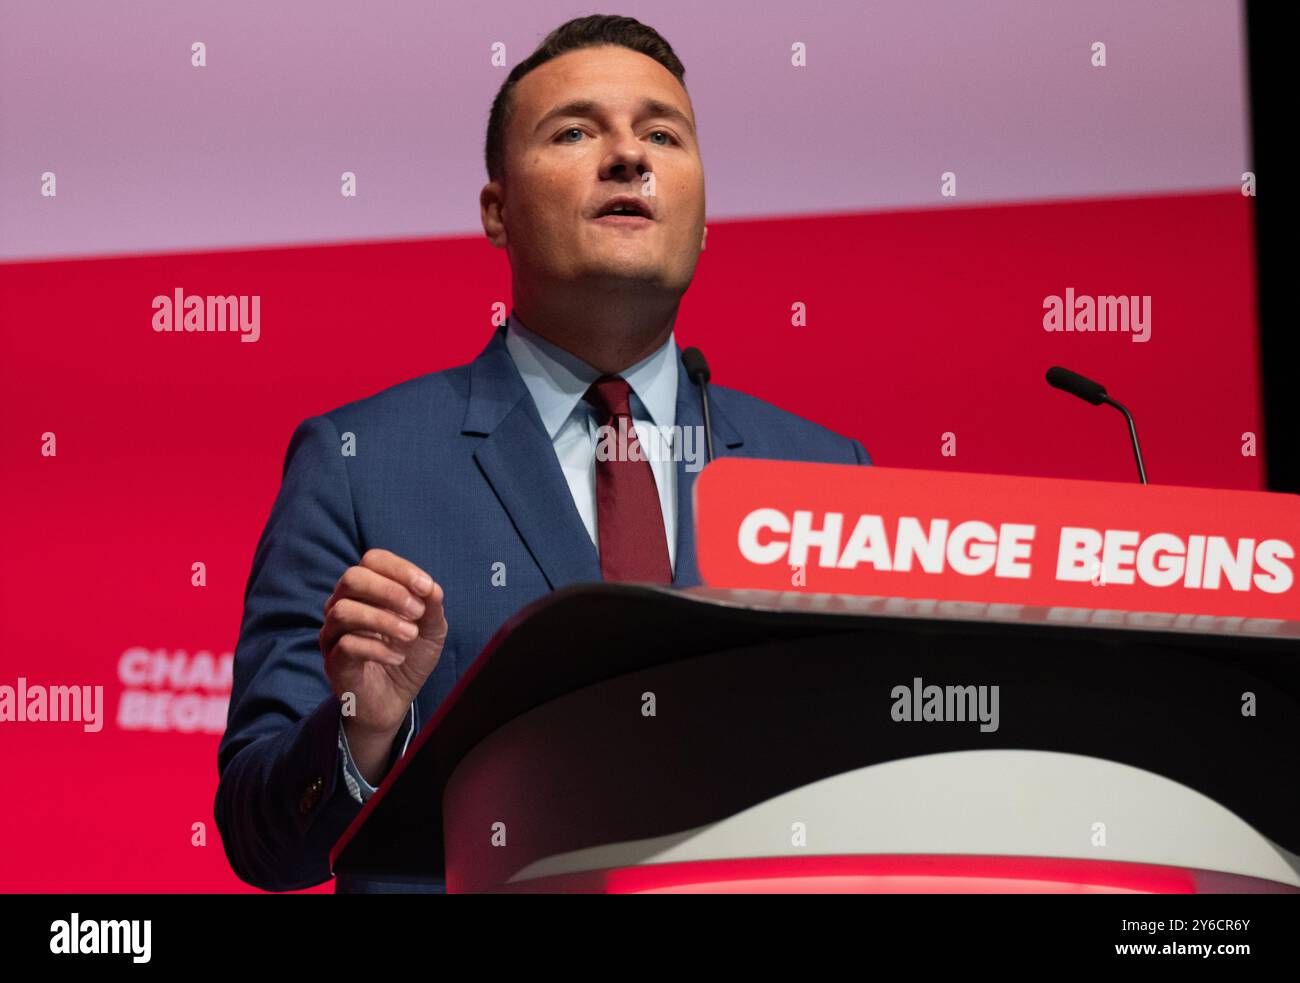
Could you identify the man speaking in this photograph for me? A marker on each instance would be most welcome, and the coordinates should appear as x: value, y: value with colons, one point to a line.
x: 384, y: 570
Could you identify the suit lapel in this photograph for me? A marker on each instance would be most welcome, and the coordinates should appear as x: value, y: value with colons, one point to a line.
x: 518, y: 461
x: 726, y: 438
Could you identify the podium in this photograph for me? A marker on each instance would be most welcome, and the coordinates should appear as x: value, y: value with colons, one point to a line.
x: 894, y: 681
x: 632, y: 738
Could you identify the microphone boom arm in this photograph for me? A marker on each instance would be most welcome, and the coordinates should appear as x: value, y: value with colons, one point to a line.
x: 1132, y: 432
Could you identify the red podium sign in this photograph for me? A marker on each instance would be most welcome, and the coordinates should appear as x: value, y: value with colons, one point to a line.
x: 843, y: 529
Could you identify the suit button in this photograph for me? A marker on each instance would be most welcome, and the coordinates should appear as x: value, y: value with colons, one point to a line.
x: 311, y: 796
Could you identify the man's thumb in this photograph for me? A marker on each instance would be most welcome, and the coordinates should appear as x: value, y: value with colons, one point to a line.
x: 433, y: 623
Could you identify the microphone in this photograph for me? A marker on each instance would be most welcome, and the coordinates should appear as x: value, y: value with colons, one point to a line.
x: 1095, y: 393
x: 697, y: 370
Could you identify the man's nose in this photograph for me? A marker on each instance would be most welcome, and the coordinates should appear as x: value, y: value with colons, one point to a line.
x: 626, y: 157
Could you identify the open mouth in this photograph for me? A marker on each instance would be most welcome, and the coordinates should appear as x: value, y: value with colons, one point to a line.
x: 625, y: 210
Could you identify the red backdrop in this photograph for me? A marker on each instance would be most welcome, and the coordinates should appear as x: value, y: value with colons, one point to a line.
x: 170, y: 446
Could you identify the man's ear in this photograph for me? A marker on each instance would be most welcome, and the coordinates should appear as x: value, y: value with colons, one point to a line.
x: 492, y: 212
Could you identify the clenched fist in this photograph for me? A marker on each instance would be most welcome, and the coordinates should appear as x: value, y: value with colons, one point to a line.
x: 383, y: 634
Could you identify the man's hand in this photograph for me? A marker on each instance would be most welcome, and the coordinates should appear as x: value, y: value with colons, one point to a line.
x: 383, y: 634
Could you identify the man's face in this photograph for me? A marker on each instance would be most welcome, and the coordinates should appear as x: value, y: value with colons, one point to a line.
x: 565, y: 162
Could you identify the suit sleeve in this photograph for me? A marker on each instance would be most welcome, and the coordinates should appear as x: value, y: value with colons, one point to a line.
x: 860, y: 453
x: 281, y: 802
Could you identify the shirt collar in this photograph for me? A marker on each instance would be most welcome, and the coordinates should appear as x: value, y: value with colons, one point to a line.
x: 558, y: 379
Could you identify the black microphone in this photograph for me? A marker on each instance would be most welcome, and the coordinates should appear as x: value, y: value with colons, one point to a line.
x: 1095, y: 393
x: 697, y: 370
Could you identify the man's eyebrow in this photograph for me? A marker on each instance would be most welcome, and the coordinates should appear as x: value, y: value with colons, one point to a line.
x: 589, y: 107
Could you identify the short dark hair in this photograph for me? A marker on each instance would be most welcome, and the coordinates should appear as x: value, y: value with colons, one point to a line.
x: 581, y: 32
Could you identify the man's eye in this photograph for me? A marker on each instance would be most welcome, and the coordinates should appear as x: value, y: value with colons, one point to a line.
x: 670, y: 137
x: 572, y: 129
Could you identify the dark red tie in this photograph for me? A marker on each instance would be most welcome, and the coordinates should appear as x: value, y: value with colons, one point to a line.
x: 629, y: 518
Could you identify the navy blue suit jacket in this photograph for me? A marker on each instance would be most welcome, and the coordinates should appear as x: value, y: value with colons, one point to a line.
x: 455, y: 472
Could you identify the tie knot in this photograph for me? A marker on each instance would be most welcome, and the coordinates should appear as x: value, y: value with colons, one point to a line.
x: 610, y: 394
